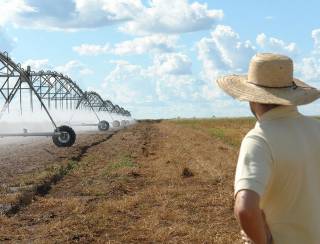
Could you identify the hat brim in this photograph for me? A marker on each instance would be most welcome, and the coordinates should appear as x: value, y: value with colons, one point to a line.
x: 238, y: 87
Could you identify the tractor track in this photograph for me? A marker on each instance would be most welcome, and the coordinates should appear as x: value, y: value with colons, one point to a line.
x: 42, y: 189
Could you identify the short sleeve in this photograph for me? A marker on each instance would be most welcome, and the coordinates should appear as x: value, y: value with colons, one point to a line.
x: 254, y: 165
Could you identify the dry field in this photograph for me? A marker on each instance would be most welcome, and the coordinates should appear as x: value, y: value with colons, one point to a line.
x: 154, y: 182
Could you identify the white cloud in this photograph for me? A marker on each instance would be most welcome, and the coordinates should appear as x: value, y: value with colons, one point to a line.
x: 172, y: 64
x: 127, y: 83
x: 233, y: 52
x: 131, y: 83
x: 157, y: 43
x: 91, y: 50
x: 36, y: 64
x: 221, y: 53
x: 72, y: 68
x: 122, y: 93
x: 172, y: 88
x: 110, y: 10
x: 224, y: 53
x: 75, y: 14
x: 86, y: 71
x: 273, y: 44
x: 211, y: 91
x: 169, y: 94
x: 140, y: 45
x: 173, y: 79
x: 159, y: 16
x: 11, y: 8
x: 315, y: 34
x: 308, y: 68
x: 167, y: 16
x: 8, y: 10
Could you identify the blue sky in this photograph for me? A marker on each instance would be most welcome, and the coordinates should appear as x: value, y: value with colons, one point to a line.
x: 160, y: 58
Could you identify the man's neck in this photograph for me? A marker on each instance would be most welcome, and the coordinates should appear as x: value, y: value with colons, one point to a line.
x: 258, y: 109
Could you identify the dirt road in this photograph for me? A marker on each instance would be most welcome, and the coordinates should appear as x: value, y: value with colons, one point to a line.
x: 150, y: 183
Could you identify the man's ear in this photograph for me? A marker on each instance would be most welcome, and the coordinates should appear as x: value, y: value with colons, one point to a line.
x: 253, y: 109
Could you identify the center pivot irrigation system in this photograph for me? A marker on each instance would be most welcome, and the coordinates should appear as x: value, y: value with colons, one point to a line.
x: 54, y: 91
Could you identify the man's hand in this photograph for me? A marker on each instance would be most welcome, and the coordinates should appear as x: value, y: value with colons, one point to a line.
x: 245, y: 238
x: 267, y: 229
x: 251, y: 219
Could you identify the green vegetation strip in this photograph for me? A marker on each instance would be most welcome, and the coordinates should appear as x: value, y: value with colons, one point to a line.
x: 123, y: 162
x: 230, y: 131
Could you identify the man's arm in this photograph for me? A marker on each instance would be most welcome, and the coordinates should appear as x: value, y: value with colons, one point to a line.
x: 251, y: 218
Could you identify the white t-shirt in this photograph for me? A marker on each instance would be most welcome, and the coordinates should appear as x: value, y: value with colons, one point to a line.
x: 280, y: 160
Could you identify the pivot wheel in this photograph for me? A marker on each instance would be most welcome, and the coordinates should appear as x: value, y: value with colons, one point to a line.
x: 103, y: 125
x: 65, y: 138
x: 116, y: 123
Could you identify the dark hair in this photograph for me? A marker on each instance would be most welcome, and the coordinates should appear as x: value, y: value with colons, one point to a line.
x: 270, y: 105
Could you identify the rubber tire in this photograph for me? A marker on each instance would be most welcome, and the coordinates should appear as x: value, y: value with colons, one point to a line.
x: 103, y: 125
x: 71, y: 140
x: 116, y: 124
x: 123, y: 123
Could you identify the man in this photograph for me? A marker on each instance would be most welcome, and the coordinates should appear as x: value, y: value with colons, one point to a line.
x: 277, y: 183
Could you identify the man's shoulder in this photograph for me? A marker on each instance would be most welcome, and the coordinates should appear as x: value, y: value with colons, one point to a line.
x: 255, y: 132
x: 313, y: 120
x: 256, y: 135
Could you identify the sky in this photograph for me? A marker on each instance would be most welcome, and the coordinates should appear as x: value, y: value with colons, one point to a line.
x: 161, y: 58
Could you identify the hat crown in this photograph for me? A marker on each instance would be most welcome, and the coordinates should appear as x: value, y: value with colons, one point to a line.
x: 271, y: 70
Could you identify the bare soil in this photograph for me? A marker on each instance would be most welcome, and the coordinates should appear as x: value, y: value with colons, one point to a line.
x: 149, y: 183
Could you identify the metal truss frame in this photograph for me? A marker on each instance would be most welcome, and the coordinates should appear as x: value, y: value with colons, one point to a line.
x: 51, y: 89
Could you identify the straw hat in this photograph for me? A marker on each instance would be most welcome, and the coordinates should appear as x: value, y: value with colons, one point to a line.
x: 270, y: 80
